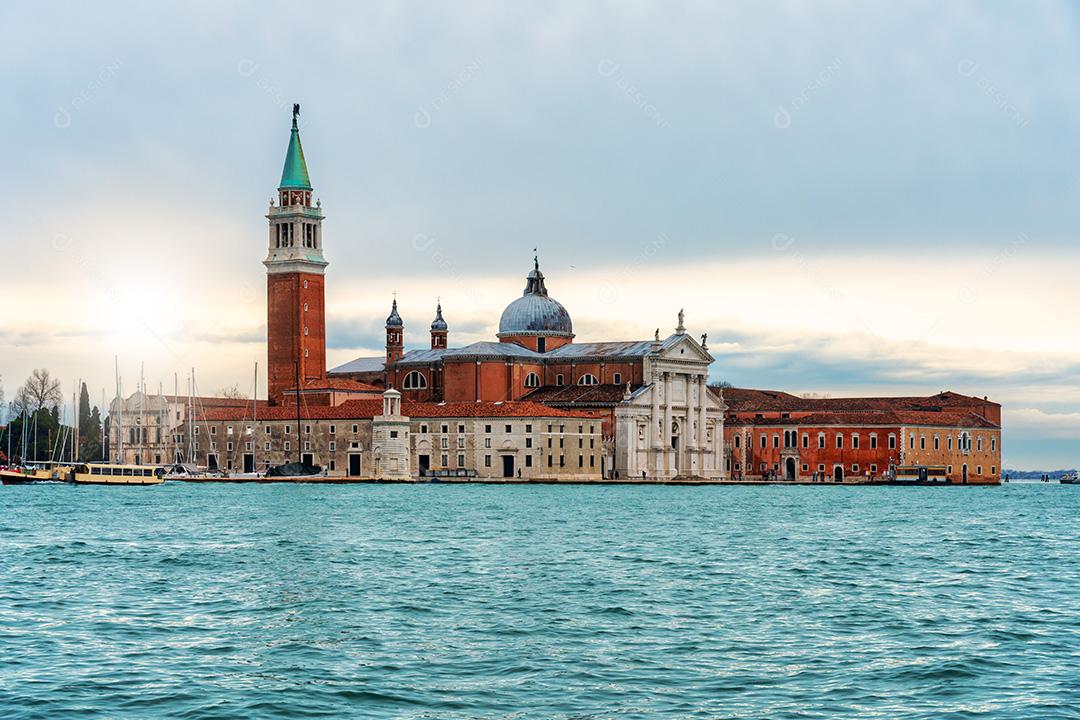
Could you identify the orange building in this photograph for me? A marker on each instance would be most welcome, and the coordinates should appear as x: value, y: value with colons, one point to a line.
x: 777, y: 436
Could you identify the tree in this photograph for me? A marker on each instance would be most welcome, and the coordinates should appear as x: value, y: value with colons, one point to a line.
x: 89, y: 428
x: 232, y: 393
x: 41, y: 391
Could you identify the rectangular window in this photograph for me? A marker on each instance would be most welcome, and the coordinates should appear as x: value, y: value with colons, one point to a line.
x: 873, y: 441
x: 892, y: 442
x: 528, y: 461
x: 805, y: 440
x: 839, y: 441
x: 487, y: 428
x: 618, y: 378
x: 937, y: 443
x: 333, y: 446
x: 445, y: 429
x: 873, y: 469
x: 821, y: 441
x: 461, y: 461
x: 528, y: 442
x: 776, y: 441
x: 333, y: 466
x: 922, y: 442
x: 854, y: 468
x: 393, y: 435
x: 528, y: 427
x: 993, y: 444
x: 307, y: 429
x: 487, y: 442
x: 854, y: 441
x: 287, y: 447
x: 559, y: 379
x: 423, y: 429
x: 267, y: 447
x: 487, y: 461
x: 509, y: 428
x: 266, y: 429
x: 333, y: 429
x: 355, y: 429
x: 764, y: 442
x: 461, y: 428
x: 444, y: 460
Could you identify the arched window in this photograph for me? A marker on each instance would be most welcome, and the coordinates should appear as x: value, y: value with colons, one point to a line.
x: 587, y: 379
x: 532, y: 380
x: 415, y: 381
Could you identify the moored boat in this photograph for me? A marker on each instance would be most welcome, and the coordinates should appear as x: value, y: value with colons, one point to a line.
x: 102, y: 474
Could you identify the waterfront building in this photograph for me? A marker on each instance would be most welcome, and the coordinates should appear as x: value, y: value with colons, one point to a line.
x: 776, y: 435
x: 486, y: 440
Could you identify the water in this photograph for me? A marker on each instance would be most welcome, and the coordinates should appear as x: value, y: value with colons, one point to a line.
x: 437, y: 601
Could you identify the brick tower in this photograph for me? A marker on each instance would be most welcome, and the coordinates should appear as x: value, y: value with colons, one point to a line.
x: 295, y: 322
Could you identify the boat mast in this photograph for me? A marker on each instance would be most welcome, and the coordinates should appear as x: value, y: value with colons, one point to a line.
x: 255, y: 422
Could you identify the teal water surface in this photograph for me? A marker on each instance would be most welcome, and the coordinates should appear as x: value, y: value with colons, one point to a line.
x: 445, y: 601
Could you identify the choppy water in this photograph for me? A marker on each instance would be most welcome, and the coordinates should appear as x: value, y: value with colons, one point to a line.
x: 197, y: 601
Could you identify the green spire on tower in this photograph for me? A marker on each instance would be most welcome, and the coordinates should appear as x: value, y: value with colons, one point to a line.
x: 294, y: 176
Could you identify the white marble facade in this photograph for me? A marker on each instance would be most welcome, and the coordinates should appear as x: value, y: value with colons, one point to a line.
x: 672, y: 426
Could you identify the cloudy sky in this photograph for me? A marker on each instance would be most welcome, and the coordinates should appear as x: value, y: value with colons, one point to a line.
x: 849, y: 198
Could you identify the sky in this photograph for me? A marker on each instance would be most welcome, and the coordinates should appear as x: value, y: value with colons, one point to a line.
x: 848, y: 197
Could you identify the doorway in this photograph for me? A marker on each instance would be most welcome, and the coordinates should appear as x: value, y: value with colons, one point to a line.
x: 508, y: 466
x: 790, y: 467
x: 211, y: 462
x: 354, y: 464
x: 307, y: 459
x: 838, y: 474
x: 963, y: 470
x: 424, y: 463
x: 249, y: 462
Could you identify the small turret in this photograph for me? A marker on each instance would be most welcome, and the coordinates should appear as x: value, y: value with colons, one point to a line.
x: 395, y: 328
x: 438, y: 330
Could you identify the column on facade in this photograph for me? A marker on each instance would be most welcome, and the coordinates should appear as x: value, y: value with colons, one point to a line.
x: 668, y: 455
x: 653, y: 436
x: 703, y: 404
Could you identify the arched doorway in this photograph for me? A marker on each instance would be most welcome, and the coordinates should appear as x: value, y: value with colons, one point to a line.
x: 963, y: 471
x: 838, y: 473
x: 790, y: 467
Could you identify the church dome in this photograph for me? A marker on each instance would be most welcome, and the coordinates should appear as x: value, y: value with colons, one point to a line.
x: 535, y: 313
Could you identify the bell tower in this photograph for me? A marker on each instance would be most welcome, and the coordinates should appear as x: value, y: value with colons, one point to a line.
x: 296, y: 322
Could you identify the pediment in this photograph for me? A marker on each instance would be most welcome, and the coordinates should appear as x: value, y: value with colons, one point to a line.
x: 685, y: 348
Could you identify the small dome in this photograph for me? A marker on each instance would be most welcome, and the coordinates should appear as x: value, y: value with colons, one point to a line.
x: 438, y: 324
x: 534, y: 313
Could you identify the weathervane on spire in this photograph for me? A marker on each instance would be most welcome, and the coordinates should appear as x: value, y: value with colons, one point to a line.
x: 295, y: 113
x: 536, y: 260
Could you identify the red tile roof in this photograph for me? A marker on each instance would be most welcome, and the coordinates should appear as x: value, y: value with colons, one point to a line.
x: 579, y: 394
x: 339, y: 385
x: 747, y: 400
